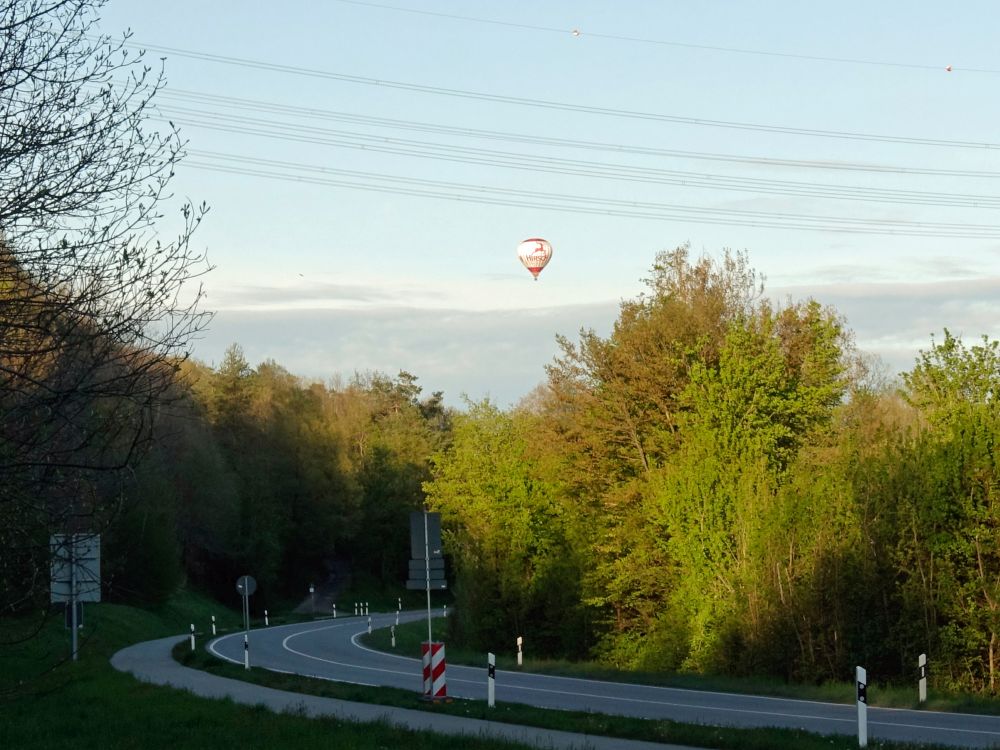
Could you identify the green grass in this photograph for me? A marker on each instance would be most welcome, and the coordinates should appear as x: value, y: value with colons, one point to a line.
x: 410, y: 636
x: 48, y: 703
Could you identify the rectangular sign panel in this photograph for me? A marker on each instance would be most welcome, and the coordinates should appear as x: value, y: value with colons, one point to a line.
x: 76, y: 563
x: 420, y: 584
x: 417, y: 567
x: 417, y: 535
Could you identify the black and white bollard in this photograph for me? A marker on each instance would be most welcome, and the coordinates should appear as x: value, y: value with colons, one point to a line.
x: 366, y: 609
x: 397, y: 617
x: 266, y: 623
x: 491, y: 678
x: 192, y: 636
x: 922, y: 682
x: 446, y: 611
x: 213, y: 624
x: 334, y: 611
x: 369, y: 626
x: 355, y: 609
x: 246, y: 652
x: 399, y: 602
x: 520, y: 642
x: 862, y: 682
x: 392, y: 634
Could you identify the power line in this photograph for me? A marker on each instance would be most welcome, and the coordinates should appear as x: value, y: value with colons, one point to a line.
x: 565, y: 106
x: 255, y: 105
x: 311, y: 174
x: 420, y: 149
x: 578, y: 32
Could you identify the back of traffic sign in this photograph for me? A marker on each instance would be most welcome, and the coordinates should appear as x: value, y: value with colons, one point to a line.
x: 246, y: 585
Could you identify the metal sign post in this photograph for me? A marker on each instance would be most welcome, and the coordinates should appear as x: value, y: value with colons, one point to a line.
x: 427, y: 563
x: 75, y: 576
x: 246, y: 585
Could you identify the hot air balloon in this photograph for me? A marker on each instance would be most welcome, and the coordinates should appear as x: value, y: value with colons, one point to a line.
x: 534, y: 253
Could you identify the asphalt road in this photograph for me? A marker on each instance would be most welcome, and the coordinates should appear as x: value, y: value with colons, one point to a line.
x: 330, y: 650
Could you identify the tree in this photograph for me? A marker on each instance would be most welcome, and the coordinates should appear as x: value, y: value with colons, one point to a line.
x: 95, y: 309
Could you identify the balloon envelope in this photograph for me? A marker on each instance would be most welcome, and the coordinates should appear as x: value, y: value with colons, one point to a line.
x: 534, y: 253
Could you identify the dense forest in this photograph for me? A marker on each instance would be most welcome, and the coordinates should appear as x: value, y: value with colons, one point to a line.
x: 722, y: 484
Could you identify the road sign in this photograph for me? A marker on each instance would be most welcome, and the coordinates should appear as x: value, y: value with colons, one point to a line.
x: 419, y: 565
x: 246, y: 585
x: 415, y: 584
x: 433, y: 539
x: 76, y: 567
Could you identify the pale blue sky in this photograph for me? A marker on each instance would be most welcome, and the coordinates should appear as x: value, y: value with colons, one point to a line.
x: 328, y: 279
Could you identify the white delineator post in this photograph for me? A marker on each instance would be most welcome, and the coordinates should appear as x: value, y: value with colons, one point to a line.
x: 213, y: 624
x: 266, y: 623
x: 392, y: 632
x: 922, y: 683
x: 355, y: 609
x: 520, y: 642
x: 862, y: 696
x: 446, y: 611
x: 369, y: 626
x: 366, y: 609
x: 491, y: 678
x: 334, y: 611
x: 399, y: 603
x: 246, y: 651
x: 397, y: 617
x: 192, y: 636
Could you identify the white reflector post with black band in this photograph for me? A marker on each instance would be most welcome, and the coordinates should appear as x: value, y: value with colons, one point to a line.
x: 491, y: 679
x: 862, y: 683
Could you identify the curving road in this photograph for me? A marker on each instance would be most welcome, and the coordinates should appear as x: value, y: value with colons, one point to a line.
x: 330, y: 650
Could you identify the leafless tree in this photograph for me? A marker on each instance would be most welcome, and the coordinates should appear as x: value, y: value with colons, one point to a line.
x: 96, y: 307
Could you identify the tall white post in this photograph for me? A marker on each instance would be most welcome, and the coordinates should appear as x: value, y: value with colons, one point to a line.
x: 446, y: 611
x: 922, y: 684
x: 369, y: 626
x: 213, y: 625
x: 427, y: 569
x: 399, y: 602
x: 392, y: 632
x: 266, y: 621
x: 397, y: 617
x: 862, y: 696
x: 491, y: 678
x: 72, y: 593
x: 334, y: 611
x: 192, y: 636
x: 355, y: 609
x: 366, y: 609
x: 520, y: 642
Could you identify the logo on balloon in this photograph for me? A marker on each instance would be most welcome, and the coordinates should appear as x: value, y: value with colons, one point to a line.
x: 534, y: 255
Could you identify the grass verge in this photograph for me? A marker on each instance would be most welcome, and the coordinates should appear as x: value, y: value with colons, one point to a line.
x: 48, y: 703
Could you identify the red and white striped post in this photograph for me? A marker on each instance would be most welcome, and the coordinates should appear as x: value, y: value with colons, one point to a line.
x: 434, y: 664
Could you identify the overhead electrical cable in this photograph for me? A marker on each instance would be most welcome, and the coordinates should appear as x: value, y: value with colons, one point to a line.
x: 579, y: 32
x: 308, y: 173
x: 565, y: 106
x: 557, y: 165
x: 253, y: 105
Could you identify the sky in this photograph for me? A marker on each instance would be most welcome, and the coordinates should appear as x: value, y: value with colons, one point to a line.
x: 372, y: 166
